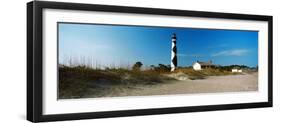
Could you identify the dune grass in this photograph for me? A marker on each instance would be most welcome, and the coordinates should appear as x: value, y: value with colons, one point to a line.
x: 83, y: 82
x: 202, y: 74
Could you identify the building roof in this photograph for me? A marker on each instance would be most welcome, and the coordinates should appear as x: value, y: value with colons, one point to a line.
x: 236, y: 67
x: 206, y: 63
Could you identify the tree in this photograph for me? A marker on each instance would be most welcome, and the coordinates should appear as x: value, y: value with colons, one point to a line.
x: 137, y: 66
x: 152, y: 67
x: 163, y: 68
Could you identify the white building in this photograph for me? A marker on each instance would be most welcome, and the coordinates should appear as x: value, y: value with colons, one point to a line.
x: 236, y: 70
x: 196, y: 66
x: 202, y: 65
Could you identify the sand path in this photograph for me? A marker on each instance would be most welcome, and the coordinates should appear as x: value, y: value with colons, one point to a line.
x: 230, y: 83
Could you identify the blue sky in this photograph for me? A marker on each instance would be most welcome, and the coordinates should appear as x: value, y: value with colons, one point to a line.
x: 115, y: 44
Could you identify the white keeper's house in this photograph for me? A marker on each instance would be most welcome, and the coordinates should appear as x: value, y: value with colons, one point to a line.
x: 202, y: 65
x: 236, y: 70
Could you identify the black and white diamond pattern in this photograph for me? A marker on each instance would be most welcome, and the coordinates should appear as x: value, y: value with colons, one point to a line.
x: 174, y: 60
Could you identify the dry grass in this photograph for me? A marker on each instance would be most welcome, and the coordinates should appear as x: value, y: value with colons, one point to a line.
x: 81, y: 81
x: 202, y: 74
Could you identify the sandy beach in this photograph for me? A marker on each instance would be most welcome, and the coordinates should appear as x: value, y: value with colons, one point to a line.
x: 212, y: 84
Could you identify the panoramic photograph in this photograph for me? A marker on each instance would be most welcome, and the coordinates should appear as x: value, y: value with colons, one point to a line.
x: 104, y: 60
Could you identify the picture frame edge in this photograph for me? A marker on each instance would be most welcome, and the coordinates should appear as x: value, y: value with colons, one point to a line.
x: 34, y: 63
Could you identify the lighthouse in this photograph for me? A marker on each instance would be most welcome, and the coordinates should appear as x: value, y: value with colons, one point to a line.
x: 174, y: 59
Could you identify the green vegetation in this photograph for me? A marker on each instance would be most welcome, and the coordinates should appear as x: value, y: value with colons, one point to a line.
x: 229, y: 67
x: 137, y: 66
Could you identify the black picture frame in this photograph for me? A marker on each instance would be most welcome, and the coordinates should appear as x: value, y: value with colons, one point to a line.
x: 35, y: 69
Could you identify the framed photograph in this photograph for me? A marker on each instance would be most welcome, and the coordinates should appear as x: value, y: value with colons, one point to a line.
x: 95, y: 61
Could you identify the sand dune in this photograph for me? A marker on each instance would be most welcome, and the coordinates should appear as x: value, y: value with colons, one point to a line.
x: 229, y: 83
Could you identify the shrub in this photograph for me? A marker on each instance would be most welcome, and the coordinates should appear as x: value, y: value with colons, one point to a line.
x: 137, y: 66
x: 163, y: 68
